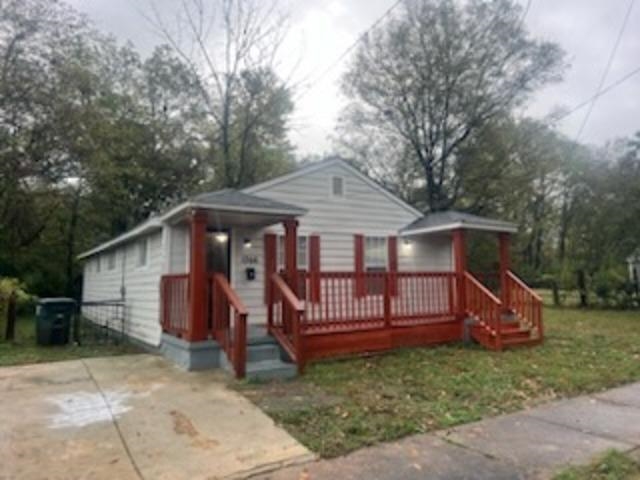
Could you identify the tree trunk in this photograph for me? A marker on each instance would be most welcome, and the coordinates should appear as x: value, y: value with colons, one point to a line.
x: 556, y: 293
x: 582, y: 289
x: 10, y: 331
x: 71, y: 239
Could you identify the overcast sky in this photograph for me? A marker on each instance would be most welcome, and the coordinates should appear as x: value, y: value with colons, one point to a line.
x: 321, y: 30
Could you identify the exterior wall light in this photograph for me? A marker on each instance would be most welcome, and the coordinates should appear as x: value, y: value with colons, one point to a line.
x: 222, y: 237
x: 247, y: 243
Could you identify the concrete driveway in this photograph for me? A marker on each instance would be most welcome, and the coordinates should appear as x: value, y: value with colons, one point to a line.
x: 132, y: 417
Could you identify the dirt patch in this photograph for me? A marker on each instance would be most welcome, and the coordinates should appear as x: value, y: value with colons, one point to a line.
x: 277, y: 397
x: 182, y: 425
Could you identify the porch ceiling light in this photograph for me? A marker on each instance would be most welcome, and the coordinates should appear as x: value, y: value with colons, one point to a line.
x: 222, y: 237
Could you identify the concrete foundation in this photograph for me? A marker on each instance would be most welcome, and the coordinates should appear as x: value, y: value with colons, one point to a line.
x: 191, y: 355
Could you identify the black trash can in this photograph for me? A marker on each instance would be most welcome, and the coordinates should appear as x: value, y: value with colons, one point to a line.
x: 53, y: 320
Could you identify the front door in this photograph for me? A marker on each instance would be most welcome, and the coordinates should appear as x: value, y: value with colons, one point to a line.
x: 218, y: 261
x: 219, y: 252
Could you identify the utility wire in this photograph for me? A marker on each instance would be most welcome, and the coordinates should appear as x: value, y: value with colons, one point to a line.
x: 342, y: 56
x: 605, y: 73
x: 602, y: 92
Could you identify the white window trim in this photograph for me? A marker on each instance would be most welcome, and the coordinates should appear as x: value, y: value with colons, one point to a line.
x: 145, y: 265
x: 344, y: 187
x: 280, y: 254
x: 384, y: 264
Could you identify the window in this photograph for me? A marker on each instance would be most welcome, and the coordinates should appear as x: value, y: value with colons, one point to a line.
x: 375, y: 260
x: 337, y: 186
x: 375, y: 253
x: 111, y: 261
x: 98, y: 266
x: 303, y: 252
x: 143, y: 252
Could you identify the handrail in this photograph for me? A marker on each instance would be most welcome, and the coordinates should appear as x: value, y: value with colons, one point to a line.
x: 232, y: 339
x: 285, y: 313
x: 286, y: 292
x: 485, y: 306
x: 520, y: 283
x: 526, y: 303
x: 484, y: 289
x: 230, y: 293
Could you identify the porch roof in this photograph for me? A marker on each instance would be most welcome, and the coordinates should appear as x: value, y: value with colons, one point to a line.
x: 225, y: 207
x: 452, y: 220
x: 235, y: 207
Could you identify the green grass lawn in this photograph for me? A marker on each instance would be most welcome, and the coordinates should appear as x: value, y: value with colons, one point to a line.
x: 24, y: 349
x: 338, y: 406
x: 613, y: 465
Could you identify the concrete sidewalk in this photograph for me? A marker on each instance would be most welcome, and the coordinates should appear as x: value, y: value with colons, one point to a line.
x: 132, y: 417
x: 530, y: 444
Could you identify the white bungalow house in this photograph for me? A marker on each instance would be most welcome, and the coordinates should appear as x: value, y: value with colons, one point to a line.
x: 316, y: 263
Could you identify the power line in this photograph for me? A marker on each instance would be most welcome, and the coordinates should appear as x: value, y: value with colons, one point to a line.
x: 602, y: 92
x: 605, y: 73
x: 342, y: 56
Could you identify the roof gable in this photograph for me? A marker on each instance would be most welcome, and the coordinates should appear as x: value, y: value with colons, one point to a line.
x: 316, y: 166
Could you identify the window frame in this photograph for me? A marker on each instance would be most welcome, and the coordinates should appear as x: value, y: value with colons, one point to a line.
x: 139, y: 264
x: 332, y: 184
x: 280, y: 255
x: 375, y: 286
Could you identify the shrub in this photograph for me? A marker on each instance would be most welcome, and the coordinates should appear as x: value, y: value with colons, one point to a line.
x: 25, y: 301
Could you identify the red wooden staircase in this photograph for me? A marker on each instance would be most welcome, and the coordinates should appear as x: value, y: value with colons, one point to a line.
x: 514, y: 321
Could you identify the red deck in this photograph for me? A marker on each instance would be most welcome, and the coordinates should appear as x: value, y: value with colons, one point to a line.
x: 321, y: 314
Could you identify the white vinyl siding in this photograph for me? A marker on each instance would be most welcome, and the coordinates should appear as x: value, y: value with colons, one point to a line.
x: 141, y: 286
x: 111, y: 261
x: 363, y: 209
x: 178, y: 249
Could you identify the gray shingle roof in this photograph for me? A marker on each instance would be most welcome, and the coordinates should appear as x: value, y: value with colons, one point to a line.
x: 450, y: 219
x: 229, y: 197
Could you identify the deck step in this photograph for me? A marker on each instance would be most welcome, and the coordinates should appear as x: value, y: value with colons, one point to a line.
x: 515, y: 331
x: 264, y: 361
x: 262, y: 351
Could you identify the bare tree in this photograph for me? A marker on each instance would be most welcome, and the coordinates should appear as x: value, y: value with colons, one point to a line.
x: 432, y: 76
x: 232, y: 47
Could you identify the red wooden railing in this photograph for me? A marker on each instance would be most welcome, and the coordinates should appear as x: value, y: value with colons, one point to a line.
x: 491, y: 280
x: 423, y: 297
x: 232, y: 336
x: 333, y: 302
x: 340, y: 305
x: 284, y: 318
x: 484, y: 306
x: 174, y: 312
x: 525, y: 303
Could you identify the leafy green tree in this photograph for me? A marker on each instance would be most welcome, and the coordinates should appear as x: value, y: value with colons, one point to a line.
x: 231, y: 48
x: 432, y: 77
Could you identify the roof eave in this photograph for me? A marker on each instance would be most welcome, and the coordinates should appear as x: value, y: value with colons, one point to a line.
x: 506, y: 228
x: 125, y: 237
x: 179, y: 209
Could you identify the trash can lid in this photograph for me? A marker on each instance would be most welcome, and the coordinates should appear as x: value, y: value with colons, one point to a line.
x: 56, y: 300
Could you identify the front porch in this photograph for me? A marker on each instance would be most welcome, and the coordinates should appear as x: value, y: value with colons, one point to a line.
x: 314, y: 314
